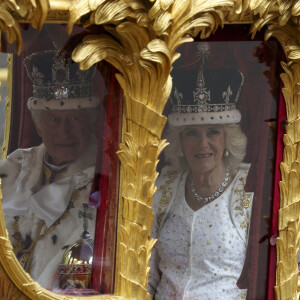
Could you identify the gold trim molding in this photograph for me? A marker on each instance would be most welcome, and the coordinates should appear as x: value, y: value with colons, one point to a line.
x: 140, y: 41
x: 8, y: 100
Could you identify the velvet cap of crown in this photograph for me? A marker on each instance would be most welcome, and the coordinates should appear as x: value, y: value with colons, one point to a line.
x: 203, y: 95
x: 58, y: 83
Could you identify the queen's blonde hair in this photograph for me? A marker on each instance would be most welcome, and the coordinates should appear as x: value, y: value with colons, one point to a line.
x: 235, y: 144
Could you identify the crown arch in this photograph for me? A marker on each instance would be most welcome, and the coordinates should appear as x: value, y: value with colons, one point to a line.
x: 140, y: 40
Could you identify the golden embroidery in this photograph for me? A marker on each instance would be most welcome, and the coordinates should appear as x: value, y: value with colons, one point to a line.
x: 244, y: 296
x: 26, y: 255
x: 166, y: 191
x: 244, y: 201
x: 20, y: 245
x: 47, y: 173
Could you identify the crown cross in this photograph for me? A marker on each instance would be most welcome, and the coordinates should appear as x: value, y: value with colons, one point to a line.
x: 201, y: 95
x: 227, y: 94
x: 85, y: 215
x: 37, y: 76
x: 60, y: 70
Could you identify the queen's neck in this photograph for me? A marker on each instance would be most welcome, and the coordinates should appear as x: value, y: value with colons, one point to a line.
x: 208, y: 182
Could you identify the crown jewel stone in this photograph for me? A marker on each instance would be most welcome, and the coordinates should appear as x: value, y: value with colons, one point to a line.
x: 57, y: 78
x: 62, y: 93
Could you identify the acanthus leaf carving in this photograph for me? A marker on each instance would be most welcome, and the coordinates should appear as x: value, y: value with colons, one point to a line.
x: 9, y: 25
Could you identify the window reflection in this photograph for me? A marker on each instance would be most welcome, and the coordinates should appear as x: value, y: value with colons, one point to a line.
x: 60, y: 178
x: 45, y: 187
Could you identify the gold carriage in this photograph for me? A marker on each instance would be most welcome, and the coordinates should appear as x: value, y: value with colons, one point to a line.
x: 140, y: 38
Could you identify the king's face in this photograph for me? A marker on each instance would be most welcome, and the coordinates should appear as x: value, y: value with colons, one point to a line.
x: 65, y: 133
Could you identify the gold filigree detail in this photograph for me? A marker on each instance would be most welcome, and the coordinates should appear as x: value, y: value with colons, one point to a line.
x: 8, y: 107
x: 243, y: 202
x: 8, y: 24
x: 165, y: 195
x: 33, y: 11
x: 108, y: 12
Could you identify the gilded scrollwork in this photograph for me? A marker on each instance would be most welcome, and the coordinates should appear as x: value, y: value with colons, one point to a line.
x: 288, y: 242
x: 31, y: 11
x: 8, y: 107
x: 108, y: 12
x: 8, y: 24
x: 140, y: 40
x: 144, y: 66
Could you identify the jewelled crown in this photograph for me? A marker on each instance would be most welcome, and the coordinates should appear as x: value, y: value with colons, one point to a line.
x: 58, y: 83
x: 203, y: 95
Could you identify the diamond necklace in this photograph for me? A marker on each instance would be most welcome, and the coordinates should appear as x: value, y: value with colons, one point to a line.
x: 216, y: 194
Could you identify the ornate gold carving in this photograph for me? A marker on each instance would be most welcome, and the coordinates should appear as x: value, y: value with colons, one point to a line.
x: 144, y: 63
x: 141, y: 42
x: 8, y: 24
x: 289, y: 214
x: 8, y: 99
x: 34, y: 11
x: 8, y: 290
x: 108, y: 12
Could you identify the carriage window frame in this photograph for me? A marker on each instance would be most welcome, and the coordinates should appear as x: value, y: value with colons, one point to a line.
x: 287, y: 209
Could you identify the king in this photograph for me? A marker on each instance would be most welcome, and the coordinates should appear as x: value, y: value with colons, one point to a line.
x: 44, y: 187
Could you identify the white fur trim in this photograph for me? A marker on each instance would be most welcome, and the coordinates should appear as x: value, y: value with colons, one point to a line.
x: 63, y: 104
x: 22, y: 189
x: 204, y: 118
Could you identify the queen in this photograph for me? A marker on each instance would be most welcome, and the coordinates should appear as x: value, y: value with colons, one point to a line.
x: 202, y: 211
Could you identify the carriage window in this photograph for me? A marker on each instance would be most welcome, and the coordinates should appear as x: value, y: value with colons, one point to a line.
x: 214, y: 191
x: 60, y: 175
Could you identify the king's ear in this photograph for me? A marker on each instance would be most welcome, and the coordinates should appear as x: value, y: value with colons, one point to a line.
x: 38, y: 130
x: 36, y: 122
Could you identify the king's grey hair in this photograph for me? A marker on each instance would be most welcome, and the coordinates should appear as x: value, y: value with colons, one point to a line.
x: 235, y: 144
x: 93, y: 113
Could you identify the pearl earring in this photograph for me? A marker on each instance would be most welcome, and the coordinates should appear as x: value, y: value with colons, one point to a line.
x: 226, y: 153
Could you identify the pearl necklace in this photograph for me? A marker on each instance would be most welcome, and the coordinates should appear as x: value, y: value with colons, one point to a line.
x: 216, y: 194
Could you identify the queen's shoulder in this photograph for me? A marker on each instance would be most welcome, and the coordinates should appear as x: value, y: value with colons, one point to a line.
x: 244, y: 166
x: 168, y: 172
x: 243, y: 169
x: 168, y: 178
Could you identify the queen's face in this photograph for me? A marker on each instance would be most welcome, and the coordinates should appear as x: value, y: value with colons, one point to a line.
x: 203, y: 147
x: 65, y: 133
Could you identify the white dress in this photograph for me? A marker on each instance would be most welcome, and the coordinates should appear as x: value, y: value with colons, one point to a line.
x: 199, y: 254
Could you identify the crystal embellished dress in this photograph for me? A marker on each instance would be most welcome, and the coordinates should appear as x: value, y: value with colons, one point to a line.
x: 199, y: 254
